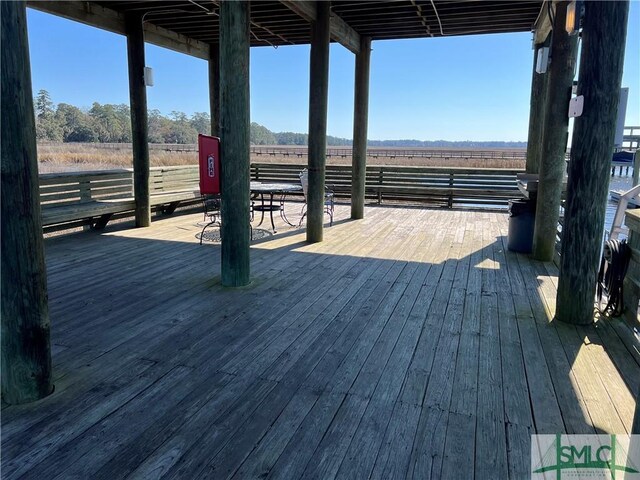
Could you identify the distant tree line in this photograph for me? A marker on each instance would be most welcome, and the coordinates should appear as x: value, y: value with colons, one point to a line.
x: 263, y: 136
x: 112, y: 124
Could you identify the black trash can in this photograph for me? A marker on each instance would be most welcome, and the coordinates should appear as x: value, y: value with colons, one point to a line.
x: 522, y: 217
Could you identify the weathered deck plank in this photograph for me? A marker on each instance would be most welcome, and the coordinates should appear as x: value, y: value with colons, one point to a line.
x: 409, y: 344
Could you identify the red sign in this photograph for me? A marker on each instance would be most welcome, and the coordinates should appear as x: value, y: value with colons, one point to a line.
x: 209, y: 158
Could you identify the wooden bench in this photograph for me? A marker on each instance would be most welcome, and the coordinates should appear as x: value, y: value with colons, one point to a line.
x: 439, y: 185
x: 93, y: 198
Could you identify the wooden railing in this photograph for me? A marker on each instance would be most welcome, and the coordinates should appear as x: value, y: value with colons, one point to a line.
x: 386, y: 152
x: 435, y: 185
x: 631, y: 138
x: 92, y: 198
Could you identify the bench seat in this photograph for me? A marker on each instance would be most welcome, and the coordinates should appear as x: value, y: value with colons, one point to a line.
x: 84, y: 210
x: 97, y: 213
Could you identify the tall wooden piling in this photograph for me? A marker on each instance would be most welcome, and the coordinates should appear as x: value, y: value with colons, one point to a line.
x: 360, y: 126
x: 318, y: 100
x: 26, y: 351
x: 536, y: 115
x: 554, y: 135
x: 234, y: 87
x: 601, y: 61
x: 214, y: 88
x: 139, y: 119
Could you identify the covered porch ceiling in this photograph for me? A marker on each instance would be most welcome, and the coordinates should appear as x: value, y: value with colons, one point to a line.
x: 191, y: 26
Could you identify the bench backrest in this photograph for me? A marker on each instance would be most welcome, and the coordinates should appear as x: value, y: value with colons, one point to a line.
x: 173, y: 179
x: 416, y: 184
x: 58, y: 189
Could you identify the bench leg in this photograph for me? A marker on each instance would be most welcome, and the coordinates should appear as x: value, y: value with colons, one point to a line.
x: 169, y: 209
x: 102, y: 221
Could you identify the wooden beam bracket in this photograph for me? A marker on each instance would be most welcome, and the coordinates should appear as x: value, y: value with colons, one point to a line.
x: 339, y: 30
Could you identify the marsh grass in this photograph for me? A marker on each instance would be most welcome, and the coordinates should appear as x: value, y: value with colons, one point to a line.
x: 69, y: 157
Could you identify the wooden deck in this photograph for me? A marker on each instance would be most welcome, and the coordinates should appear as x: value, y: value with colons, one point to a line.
x: 407, y: 345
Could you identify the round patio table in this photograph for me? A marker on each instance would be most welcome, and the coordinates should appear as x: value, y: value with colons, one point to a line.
x: 270, y: 190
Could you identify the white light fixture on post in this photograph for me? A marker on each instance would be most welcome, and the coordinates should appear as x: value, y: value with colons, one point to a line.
x: 542, y: 59
x: 148, y: 76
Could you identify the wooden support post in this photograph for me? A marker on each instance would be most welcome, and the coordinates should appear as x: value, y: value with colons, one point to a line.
x: 139, y: 120
x: 360, y: 125
x: 234, y: 88
x: 601, y: 61
x: 318, y: 100
x: 554, y: 136
x: 26, y: 351
x: 214, y: 89
x: 536, y: 116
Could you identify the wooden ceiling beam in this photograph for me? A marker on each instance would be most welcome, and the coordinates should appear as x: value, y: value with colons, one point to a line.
x: 340, y: 30
x: 107, y: 19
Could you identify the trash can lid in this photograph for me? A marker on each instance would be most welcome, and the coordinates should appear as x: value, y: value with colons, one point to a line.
x: 521, y: 205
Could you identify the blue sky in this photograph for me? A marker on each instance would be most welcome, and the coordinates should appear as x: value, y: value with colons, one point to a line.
x: 456, y: 88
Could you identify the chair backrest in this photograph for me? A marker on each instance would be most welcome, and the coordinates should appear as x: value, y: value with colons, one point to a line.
x: 211, y: 204
x: 304, y: 181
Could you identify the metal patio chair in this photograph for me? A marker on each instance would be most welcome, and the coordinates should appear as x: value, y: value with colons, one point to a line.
x: 211, y: 206
x: 328, y: 198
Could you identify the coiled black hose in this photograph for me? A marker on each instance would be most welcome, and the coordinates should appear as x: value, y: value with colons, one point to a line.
x: 613, y: 268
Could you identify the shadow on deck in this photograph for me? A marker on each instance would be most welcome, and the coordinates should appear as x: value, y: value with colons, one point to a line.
x: 410, y: 344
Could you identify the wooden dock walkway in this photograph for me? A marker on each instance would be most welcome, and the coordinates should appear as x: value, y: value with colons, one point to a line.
x: 410, y: 344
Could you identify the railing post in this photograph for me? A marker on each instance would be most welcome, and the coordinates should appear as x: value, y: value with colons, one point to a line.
x: 450, y: 202
x: 85, y: 190
x: 85, y: 196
